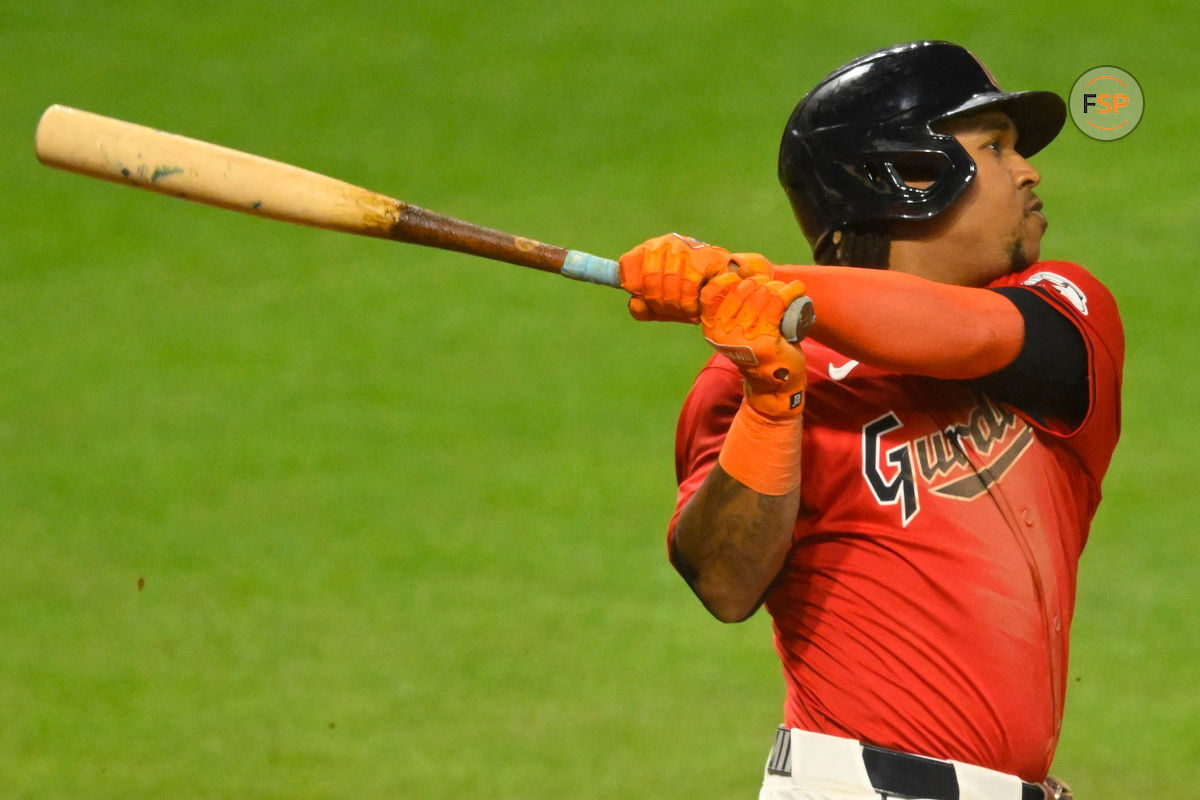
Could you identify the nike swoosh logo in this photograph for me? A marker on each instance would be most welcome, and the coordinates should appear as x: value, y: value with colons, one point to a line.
x: 837, y: 373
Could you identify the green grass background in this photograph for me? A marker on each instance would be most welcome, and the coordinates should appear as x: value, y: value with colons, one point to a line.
x: 398, y: 513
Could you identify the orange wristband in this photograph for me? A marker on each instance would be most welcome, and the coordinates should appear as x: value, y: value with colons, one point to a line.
x: 762, y: 453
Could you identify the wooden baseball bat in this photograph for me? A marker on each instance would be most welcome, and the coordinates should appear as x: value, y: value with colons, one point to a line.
x: 134, y: 155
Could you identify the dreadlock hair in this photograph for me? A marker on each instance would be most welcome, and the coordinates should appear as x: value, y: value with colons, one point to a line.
x: 855, y: 246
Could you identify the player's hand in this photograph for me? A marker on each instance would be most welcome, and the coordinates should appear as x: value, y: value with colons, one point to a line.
x: 666, y: 274
x: 740, y: 318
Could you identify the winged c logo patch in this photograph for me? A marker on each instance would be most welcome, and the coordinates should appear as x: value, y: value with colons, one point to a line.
x: 1073, y: 294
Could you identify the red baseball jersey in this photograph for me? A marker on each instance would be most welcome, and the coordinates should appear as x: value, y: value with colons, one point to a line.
x: 926, y: 601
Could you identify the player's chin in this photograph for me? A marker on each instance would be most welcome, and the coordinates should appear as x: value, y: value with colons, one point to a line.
x: 1027, y: 248
x: 1024, y: 252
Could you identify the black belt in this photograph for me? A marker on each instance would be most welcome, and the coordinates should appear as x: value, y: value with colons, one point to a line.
x: 896, y: 775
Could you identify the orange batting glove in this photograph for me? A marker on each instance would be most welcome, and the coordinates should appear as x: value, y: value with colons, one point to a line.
x: 666, y: 274
x: 740, y: 318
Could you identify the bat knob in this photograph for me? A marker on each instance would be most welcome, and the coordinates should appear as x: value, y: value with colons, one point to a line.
x: 797, y: 319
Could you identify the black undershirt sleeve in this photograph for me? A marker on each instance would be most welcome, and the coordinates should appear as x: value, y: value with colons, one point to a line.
x: 1049, y: 378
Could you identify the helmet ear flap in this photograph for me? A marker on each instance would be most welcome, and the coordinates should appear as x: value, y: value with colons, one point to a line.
x: 852, y: 175
x: 918, y: 183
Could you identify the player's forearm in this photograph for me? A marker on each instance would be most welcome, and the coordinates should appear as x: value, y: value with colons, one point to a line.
x: 730, y: 543
x: 909, y: 324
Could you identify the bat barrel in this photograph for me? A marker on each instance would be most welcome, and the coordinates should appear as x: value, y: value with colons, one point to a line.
x: 203, y: 172
x: 157, y: 161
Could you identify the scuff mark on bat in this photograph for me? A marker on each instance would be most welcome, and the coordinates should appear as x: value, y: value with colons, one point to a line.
x: 164, y: 171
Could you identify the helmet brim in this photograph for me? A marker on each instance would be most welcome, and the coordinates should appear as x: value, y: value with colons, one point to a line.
x: 1038, y: 116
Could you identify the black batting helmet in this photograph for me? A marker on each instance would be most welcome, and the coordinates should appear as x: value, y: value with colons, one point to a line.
x: 853, y: 139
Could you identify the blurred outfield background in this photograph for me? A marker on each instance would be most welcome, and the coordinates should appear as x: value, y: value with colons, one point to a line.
x: 398, y: 514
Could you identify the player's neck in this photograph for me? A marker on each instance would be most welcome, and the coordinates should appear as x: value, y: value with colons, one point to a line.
x: 930, y: 259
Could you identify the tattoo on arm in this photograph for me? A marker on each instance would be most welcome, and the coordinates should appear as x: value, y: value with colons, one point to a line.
x: 731, y: 542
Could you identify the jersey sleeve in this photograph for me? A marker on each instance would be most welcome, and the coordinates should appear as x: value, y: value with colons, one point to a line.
x: 704, y: 420
x: 1083, y: 300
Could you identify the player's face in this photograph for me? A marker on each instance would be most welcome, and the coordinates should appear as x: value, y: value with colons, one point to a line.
x: 996, y: 225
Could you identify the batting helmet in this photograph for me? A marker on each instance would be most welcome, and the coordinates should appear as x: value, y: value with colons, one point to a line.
x: 868, y: 125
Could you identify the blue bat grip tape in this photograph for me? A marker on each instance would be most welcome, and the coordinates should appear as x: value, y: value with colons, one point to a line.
x: 594, y: 269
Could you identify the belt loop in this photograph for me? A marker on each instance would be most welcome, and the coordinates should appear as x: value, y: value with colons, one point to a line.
x: 780, y: 762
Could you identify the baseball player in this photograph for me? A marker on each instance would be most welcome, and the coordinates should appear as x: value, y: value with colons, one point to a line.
x: 910, y: 488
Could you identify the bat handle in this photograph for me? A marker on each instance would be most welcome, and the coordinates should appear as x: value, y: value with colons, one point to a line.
x: 797, y: 317
x: 582, y: 266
